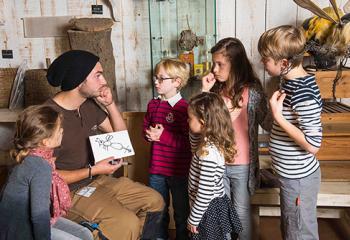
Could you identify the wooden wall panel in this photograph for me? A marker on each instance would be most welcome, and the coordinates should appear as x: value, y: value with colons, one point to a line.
x: 274, y: 10
x: 245, y: 19
x: 136, y: 54
x: 250, y: 24
x: 226, y: 18
x: 8, y: 38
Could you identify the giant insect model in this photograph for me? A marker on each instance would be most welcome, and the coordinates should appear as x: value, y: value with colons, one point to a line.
x: 327, y: 33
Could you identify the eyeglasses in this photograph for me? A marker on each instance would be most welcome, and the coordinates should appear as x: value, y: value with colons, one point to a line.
x: 160, y: 79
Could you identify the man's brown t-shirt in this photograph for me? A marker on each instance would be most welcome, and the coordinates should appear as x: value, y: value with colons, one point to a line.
x: 75, y: 151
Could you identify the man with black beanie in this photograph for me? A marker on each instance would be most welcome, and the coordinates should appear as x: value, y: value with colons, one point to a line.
x: 124, y: 209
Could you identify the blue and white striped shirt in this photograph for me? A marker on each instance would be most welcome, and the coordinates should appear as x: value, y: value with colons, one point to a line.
x: 205, y: 182
x: 302, y: 107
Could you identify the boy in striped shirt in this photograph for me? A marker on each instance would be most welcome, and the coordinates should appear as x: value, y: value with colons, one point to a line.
x: 165, y: 126
x: 296, y: 133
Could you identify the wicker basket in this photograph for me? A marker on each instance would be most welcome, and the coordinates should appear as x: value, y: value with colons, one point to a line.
x: 36, y: 88
x: 7, y: 76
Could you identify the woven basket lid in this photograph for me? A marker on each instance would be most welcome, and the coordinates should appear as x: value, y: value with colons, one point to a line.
x: 7, y: 76
x: 36, y: 88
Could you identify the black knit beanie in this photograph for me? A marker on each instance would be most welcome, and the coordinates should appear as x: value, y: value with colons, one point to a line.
x: 71, y: 68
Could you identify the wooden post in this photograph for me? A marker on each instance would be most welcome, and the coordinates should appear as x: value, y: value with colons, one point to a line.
x: 255, y: 222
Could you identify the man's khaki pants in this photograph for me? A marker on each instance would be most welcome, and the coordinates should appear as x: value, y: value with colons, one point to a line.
x: 119, y: 205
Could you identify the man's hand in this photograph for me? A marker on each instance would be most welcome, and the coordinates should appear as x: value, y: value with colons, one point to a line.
x: 208, y: 82
x: 192, y: 229
x: 154, y: 133
x: 106, y: 96
x: 104, y: 167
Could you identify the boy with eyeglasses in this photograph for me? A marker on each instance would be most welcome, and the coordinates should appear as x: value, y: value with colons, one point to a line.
x: 165, y: 126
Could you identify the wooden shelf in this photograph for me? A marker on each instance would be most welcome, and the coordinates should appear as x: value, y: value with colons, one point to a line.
x: 331, y: 194
x: 325, y: 79
x: 335, y: 142
x: 7, y: 115
x: 332, y: 170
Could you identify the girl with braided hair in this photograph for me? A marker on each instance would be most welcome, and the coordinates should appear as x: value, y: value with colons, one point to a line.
x: 35, y: 197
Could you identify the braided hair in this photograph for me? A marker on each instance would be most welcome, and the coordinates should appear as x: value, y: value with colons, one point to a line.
x: 33, y: 125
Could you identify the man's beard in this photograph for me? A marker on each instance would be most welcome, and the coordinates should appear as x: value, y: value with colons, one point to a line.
x: 87, y: 94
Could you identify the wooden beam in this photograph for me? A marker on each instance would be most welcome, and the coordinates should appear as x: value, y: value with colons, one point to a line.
x: 7, y: 115
x: 332, y: 194
x: 37, y: 27
x: 322, y: 212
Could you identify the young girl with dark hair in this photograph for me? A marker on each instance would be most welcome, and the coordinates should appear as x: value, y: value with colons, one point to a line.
x: 35, y: 197
x: 233, y: 78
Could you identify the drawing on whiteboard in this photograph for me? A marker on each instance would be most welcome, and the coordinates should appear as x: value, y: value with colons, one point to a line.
x: 108, y: 143
x: 113, y: 144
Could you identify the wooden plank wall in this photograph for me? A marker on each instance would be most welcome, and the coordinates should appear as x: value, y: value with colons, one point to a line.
x: 244, y: 19
x: 130, y: 38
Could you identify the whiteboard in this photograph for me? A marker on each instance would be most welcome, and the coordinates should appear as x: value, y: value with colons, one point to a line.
x: 114, y: 144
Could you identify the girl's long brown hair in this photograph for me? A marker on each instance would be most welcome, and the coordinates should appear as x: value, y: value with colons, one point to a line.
x: 34, y: 124
x: 217, y: 127
x: 241, y: 73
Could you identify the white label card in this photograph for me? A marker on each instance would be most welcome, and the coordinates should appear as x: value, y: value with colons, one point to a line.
x: 86, y: 191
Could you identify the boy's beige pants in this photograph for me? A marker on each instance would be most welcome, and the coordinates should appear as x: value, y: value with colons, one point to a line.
x: 119, y: 205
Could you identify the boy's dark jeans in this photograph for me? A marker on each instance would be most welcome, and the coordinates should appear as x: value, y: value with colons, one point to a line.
x: 152, y: 225
x: 178, y: 188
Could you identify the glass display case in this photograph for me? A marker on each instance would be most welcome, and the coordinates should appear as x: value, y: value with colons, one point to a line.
x: 183, y: 29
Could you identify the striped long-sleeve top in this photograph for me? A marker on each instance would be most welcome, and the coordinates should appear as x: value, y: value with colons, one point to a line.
x: 301, y: 107
x: 171, y: 156
x: 205, y: 182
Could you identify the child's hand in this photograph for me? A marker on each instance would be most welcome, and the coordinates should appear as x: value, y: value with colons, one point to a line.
x: 276, y: 104
x: 106, y: 96
x: 154, y: 133
x: 208, y: 82
x: 192, y: 229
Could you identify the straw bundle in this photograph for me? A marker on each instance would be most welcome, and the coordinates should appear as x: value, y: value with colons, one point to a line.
x: 36, y: 88
x: 7, y: 75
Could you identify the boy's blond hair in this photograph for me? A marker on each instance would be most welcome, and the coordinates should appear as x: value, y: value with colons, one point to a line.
x: 283, y: 42
x: 175, y: 69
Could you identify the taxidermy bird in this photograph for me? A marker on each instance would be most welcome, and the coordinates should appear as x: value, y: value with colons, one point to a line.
x: 327, y: 33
